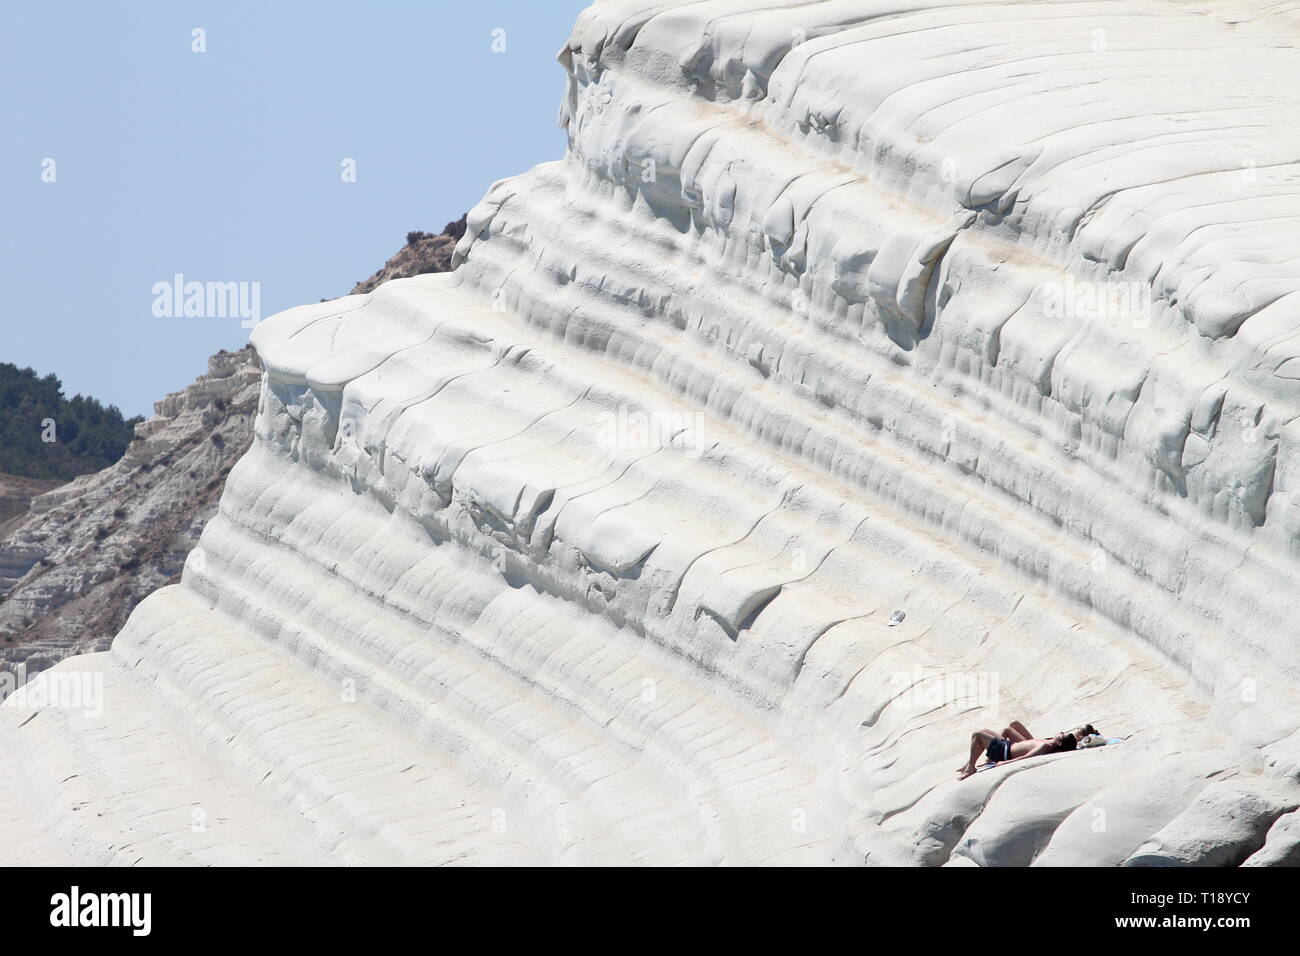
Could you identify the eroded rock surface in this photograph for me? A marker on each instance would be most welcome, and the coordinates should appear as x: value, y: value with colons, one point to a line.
x: 75, y: 566
x: 587, y: 552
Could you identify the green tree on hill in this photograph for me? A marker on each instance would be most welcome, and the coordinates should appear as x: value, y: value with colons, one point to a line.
x: 87, y: 435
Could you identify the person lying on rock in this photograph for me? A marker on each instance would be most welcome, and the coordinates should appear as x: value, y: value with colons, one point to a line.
x: 1014, y: 743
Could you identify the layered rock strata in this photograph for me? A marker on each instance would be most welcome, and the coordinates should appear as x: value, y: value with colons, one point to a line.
x: 589, y: 552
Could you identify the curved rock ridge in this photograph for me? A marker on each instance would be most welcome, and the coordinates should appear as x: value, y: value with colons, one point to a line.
x: 589, y: 551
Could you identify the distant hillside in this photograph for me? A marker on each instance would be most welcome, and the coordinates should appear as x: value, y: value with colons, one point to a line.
x: 16, y: 495
x: 45, y: 435
x: 73, y: 568
x: 423, y: 252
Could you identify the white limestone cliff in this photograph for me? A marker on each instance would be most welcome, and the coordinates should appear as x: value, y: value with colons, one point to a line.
x: 587, y: 551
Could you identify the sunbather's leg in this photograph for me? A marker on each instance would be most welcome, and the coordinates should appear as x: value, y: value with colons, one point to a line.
x: 1022, y: 732
x: 990, y: 735
x: 979, y: 742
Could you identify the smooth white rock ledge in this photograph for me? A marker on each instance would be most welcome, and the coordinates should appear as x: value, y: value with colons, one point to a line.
x: 586, y: 552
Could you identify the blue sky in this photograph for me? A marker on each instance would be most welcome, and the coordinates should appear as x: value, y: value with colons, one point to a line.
x: 226, y: 165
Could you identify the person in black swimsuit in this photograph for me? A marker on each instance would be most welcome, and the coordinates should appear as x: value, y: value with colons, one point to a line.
x: 999, y: 750
x: 1014, y: 743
